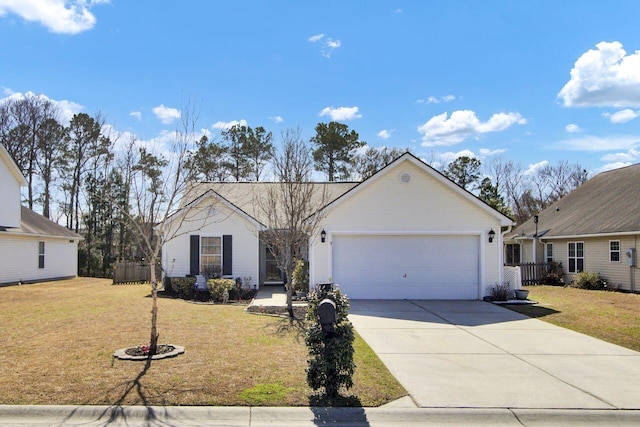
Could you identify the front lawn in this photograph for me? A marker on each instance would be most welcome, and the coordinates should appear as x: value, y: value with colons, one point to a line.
x: 609, y: 316
x: 59, y: 337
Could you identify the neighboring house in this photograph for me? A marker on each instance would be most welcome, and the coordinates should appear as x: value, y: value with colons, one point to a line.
x: 594, y: 228
x: 32, y: 248
x: 406, y: 232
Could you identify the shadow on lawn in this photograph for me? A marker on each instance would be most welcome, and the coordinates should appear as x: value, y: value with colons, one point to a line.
x: 534, y: 311
x: 116, y: 411
x: 287, y: 325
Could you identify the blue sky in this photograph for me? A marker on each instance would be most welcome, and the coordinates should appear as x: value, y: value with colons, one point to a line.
x: 531, y: 81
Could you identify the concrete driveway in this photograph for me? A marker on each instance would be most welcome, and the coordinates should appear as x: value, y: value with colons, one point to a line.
x: 473, y: 354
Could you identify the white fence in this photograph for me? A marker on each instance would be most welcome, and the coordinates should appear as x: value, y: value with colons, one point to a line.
x: 513, y: 277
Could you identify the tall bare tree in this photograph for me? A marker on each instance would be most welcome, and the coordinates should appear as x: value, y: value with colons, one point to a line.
x: 292, y: 206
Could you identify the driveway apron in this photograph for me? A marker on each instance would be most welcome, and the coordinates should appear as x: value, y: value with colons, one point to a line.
x: 460, y: 354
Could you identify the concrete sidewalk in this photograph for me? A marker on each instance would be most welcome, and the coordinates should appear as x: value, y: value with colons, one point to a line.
x: 301, y: 417
x: 454, y: 354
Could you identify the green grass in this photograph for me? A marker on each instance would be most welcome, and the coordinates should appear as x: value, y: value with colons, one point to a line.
x: 59, y: 337
x: 610, y: 316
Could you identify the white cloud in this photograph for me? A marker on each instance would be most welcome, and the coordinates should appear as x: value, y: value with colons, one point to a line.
x: 228, y: 125
x: 59, y: 16
x: 136, y: 114
x: 328, y: 44
x: 450, y: 156
x: 597, y: 143
x: 462, y: 124
x: 534, y: 167
x: 604, y: 77
x: 385, y: 134
x: 436, y: 100
x: 166, y: 114
x: 316, y: 38
x: 277, y: 119
x: 421, y: 101
x: 621, y: 116
x: 341, y: 113
x: 485, y: 152
x: 629, y: 157
x: 572, y: 128
x: 611, y: 166
x: 398, y: 11
x: 67, y: 109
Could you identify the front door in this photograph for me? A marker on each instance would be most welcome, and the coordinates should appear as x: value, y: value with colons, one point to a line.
x: 273, y: 274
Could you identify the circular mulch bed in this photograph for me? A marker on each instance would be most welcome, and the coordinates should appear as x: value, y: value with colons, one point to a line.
x: 138, y: 353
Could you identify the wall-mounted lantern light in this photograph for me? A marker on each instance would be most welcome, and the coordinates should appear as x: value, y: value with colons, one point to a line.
x: 492, y: 234
x: 323, y: 235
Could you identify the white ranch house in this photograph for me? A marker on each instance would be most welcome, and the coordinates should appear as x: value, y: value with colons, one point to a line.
x: 406, y: 232
x: 32, y: 248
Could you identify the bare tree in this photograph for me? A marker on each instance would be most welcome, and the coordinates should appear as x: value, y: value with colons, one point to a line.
x: 292, y: 206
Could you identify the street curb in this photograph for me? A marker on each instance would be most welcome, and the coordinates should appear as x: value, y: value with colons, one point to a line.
x: 305, y: 416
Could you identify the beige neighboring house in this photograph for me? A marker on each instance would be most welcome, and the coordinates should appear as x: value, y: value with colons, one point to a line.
x: 406, y: 232
x: 594, y: 228
x: 32, y: 248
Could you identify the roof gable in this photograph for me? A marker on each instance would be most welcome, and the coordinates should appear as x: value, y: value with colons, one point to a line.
x: 12, y: 167
x: 425, y: 168
x: 608, y: 203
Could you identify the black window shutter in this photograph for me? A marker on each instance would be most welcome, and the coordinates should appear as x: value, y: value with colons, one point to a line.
x: 227, y: 255
x: 194, y: 260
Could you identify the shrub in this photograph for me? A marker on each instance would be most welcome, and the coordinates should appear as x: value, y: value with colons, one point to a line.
x: 301, y: 276
x: 501, y: 292
x: 588, y: 280
x: 331, y: 364
x: 183, y: 287
x: 554, y: 275
x: 218, y: 286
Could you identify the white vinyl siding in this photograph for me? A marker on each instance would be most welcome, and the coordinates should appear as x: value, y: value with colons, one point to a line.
x: 597, y: 259
x: 21, y: 257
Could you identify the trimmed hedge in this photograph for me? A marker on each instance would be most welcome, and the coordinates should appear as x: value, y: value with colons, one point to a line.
x: 182, y: 287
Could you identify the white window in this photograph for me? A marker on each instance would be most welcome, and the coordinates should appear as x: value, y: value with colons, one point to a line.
x: 614, y: 251
x: 211, y: 256
x: 548, y: 252
x: 40, y: 254
x: 576, y: 257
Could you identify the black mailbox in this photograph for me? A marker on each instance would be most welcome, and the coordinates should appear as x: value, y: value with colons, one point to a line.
x: 327, y: 314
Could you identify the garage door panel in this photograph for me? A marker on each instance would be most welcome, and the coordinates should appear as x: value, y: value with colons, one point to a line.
x: 420, y: 267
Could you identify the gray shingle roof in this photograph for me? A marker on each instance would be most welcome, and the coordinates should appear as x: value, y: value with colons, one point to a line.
x: 36, y: 224
x: 247, y: 195
x: 608, y: 203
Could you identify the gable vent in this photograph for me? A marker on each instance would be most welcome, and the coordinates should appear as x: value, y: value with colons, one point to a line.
x: 405, y: 177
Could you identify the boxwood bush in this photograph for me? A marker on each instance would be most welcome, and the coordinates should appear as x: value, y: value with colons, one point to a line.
x: 588, y: 280
x: 218, y: 286
x: 182, y: 287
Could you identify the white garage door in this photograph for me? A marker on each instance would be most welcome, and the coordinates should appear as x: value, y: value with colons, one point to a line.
x: 406, y: 267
